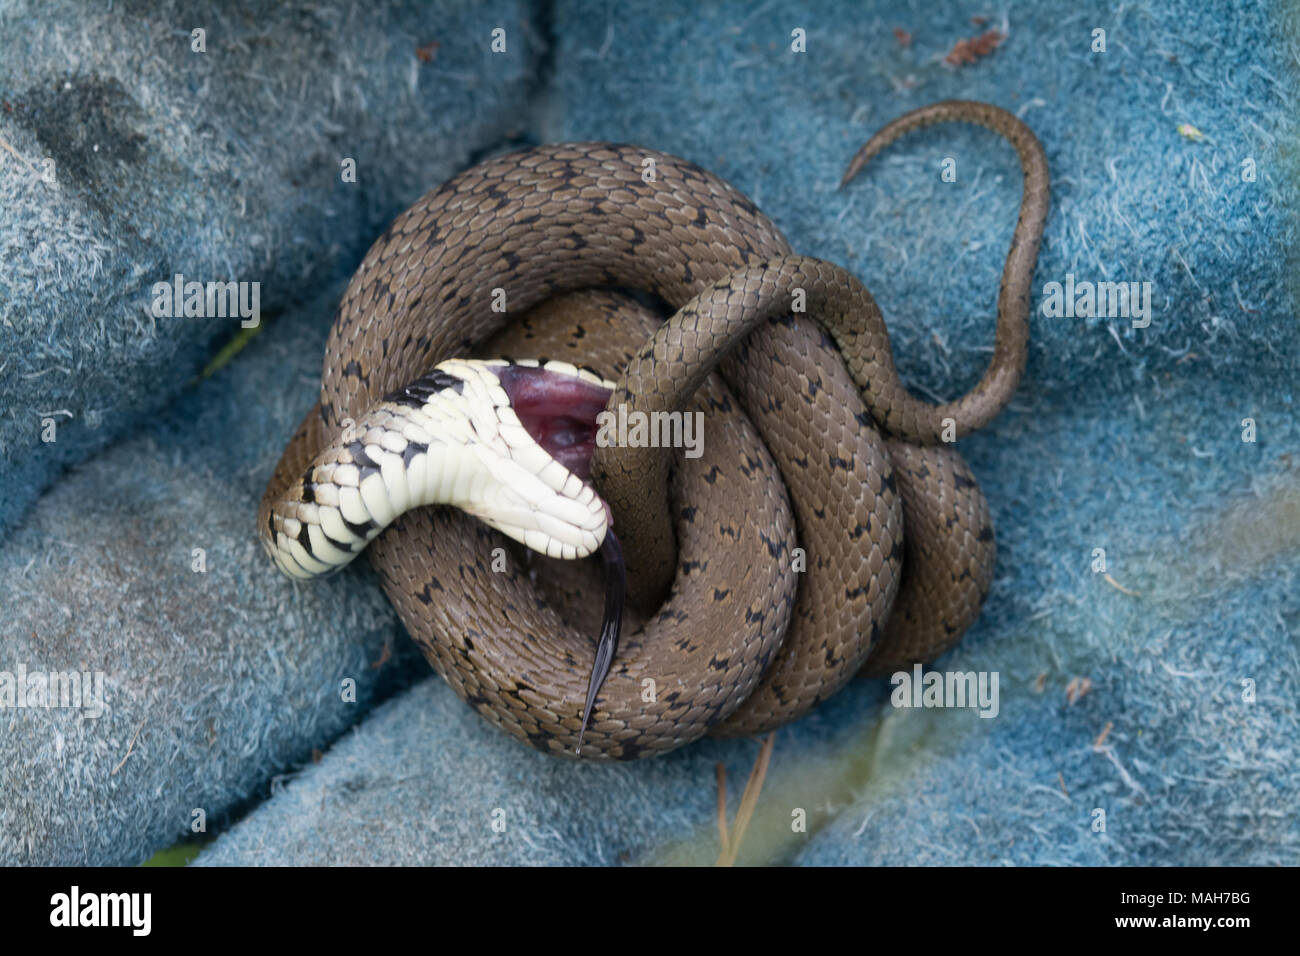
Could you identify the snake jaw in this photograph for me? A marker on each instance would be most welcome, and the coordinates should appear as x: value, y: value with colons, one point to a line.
x: 537, y: 450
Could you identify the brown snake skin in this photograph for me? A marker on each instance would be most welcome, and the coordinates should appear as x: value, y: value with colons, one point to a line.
x: 742, y: 643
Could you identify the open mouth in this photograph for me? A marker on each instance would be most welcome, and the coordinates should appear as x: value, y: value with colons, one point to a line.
x: 559, y: 411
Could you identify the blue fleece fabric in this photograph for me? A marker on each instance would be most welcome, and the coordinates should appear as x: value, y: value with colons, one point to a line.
x: 1147, y: 710
x: 218, y: 165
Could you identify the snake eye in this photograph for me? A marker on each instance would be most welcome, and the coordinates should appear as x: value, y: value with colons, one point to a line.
x: 558, y: 409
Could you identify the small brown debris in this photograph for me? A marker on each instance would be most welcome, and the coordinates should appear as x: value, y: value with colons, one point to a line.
x: 1040, y: 682
x: 1061, y: 779
x: 426, y: 53
x: 903, y: 38
x: 968, y: 51
x: 385, y: 653
x: 316, y: 755
x: 130, y: 749
x: 1119, y: 587
x: 748, y: 801
x: 1101, y: 737
x: 1077, y: 689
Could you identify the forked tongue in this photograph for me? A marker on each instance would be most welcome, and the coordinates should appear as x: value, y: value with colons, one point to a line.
x: 615, y: 590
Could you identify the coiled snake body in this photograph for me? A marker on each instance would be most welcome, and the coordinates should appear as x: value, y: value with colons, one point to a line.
x: 742, y: 623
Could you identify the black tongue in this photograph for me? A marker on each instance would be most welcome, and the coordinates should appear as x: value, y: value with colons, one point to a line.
x: 615, y: 591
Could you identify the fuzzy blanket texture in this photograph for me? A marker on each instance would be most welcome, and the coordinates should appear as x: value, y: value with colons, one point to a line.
x: 1148, y: 708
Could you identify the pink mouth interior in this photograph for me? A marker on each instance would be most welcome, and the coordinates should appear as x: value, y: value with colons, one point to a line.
x: 559, y: 411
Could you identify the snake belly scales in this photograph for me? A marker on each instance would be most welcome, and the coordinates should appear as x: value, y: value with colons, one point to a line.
x: 829, y: 529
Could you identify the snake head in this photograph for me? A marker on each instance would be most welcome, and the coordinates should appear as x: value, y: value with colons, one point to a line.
x: 507, y: 442
x: 534, y: 427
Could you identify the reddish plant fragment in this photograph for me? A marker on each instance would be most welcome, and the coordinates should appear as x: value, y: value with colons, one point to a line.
x: 968, y: 51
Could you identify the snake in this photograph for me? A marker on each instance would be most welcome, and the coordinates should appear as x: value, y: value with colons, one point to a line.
x: 828, y: 529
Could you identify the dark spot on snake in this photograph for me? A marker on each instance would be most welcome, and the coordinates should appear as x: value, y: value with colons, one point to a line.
x: 712, y: 475
x: 688, y: 513
x: 631, y: 750
x: 837, y: 462
x: 961, y: 481
x: 986, y: 534
x: 859, y: 530
x: 720, y: 595
x: 887, y: 482
x: 814, y: 386
x: 418, y: 393
x: 308, y: 487
x: 897, y: 551
x: 755, y: 617
x: 341, y: 545
x: 413, y: 448
x: 719, y: 665
x: 854, y: 593
x: 304, y: 539
x: 352, y: 369
x: 363, y: 529
x: 365, y: 464
x: 774, y: 548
